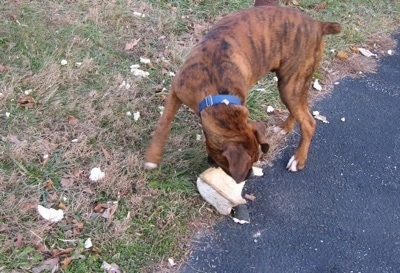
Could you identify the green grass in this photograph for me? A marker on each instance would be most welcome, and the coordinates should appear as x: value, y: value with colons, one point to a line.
x: 157, y: 211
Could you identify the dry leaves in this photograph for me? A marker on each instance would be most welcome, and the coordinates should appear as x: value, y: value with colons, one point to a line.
x: 48, y: 185
x: 60, y: 252
x: 67, y: 182
x: 131, y: 45
x: 13, y: 139
x: 27, y: 102
x: 106, y: 154
x: 250, y: 197
x: 107, y: 210
x: 72, y: 120
x: 3, y: 68
x: 341, y: 55
x: 319, y: 6
x: 64, y: 263
x: 18, y: 241
x: 354, y: 49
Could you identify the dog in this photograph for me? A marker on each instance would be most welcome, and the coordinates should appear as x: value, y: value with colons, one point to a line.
x: 215, y: 78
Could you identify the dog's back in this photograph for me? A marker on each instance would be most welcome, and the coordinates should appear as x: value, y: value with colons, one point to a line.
x: 244, y: 46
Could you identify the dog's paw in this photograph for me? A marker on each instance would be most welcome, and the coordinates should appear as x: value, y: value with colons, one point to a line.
x: 292, y: 164
x: 150, y: 165
x: 279, y: 130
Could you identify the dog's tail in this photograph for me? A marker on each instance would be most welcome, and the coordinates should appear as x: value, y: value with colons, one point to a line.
x: 330, y: 28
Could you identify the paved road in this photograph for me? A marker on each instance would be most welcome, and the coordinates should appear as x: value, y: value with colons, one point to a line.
x: 342, y: 212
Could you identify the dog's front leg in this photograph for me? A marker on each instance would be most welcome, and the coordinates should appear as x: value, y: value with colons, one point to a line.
x: 156, y: 147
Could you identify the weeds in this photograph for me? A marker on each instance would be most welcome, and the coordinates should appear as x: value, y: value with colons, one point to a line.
x: 78, y: 118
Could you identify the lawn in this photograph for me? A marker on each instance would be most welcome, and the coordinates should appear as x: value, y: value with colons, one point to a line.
x: 72, y: 100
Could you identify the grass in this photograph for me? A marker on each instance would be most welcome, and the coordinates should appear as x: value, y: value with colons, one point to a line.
x: 87, y: 100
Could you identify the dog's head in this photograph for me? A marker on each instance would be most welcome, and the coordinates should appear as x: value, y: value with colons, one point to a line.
x: 232, y: 141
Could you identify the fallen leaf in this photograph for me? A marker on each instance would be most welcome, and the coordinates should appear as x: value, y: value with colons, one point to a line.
x: 40, y: 247
x: 51, y: 215
x: 89, y: 190
x: 319, y: 6
x: 4, y: 228
x: 48, y: 145
x: 67, y: 182
x: 62, y: 206
x: 60, y: 252
x: 341, y: 55
x: 78, y: 225
x: 3, y: 68
x: 250, y: 197
x: 354, y: 49
x: 48, y: 184
x: 100, y: 207
x: 106, y: 153
x: 13, y: 16
x: 96, y: 249
x: 72, y: 120
x: 13, y: 139
x: 46, y: 265
x: 64, y: 263
x: 109, y: 212
x: 131, y: 44
x: 27, y: 102
x: 18, y: 241
x: 53, y: 197
x: 78, y: 173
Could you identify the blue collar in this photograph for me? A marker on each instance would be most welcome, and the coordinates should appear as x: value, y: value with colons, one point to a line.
x: 218, y: 99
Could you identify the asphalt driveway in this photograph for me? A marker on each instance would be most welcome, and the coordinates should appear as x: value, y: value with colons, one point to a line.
x: 342, y: 212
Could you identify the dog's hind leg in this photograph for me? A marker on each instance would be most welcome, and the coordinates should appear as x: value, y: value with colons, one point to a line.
x: 156, y: 147
x: 293, y: 93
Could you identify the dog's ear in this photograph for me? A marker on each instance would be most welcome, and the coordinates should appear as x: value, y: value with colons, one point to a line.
x: 259, y: 131
x: 239, y: 161
x: 211, y: 162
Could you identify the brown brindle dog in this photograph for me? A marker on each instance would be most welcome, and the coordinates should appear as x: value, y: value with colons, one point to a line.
x: 238, y: 50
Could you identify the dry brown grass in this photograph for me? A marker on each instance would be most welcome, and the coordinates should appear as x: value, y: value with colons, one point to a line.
x: 86, y: 100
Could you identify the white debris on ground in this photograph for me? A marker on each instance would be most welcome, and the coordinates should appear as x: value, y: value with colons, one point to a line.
x: 270, y: 109
x: 88, y: 243
x: 316, y: 85
x: 96, y: 174
x: 367, y: 53
x: 138, y: 72
x: 320, y: 117
x: 50, y: 214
